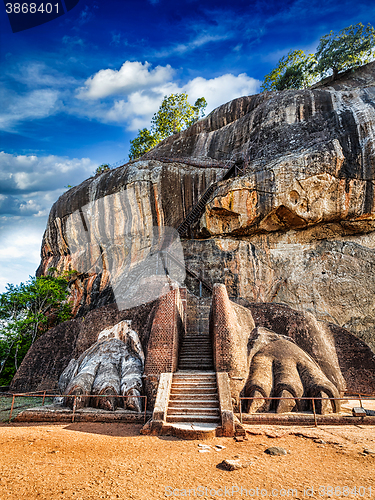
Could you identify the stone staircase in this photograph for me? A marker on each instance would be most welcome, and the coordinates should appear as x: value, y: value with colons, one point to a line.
x: 199, y: 207
x: 194, y: 394
x: 194, y: 398
x: 195, y: 401
x: 196, y: 348
x: 196, y: 353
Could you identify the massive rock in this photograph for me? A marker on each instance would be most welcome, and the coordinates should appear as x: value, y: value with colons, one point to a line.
x: 103, y: 226
x: 50, y: 355
x: 296, y: 225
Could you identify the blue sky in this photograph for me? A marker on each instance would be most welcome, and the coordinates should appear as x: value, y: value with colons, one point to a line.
x: 74, y: 91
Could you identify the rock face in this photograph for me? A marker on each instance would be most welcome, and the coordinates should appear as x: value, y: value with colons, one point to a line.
x: 296, y: 225
x: 106, y: 224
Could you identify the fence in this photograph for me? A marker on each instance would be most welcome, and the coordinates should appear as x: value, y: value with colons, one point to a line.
x: 43, y: 395
x: 349, y: 397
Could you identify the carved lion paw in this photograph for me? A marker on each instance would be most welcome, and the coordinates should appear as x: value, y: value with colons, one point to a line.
x: 279, y: 368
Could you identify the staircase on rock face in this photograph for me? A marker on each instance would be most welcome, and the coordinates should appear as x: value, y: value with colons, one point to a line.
x: 194, y: 395
x: 198, y: 208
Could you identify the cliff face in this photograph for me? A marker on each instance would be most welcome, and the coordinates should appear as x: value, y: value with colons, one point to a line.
x: 107, y: 223
x: 296, y: 226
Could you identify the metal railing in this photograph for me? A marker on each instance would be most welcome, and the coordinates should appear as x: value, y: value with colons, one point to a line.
x: 349, y: 397
x: 48, y: 394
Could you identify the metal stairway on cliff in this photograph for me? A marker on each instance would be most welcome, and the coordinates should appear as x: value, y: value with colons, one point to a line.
x: 198, y: 208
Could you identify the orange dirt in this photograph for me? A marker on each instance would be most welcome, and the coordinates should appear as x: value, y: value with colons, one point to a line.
x: 94, y: 461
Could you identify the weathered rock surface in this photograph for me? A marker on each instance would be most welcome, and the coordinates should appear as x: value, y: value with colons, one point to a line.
x: 297, y: 227
x: 271, y: 350
x: 233, y: 464
x: 109, y: 369
x: 275, y: 451
x: 103, y: 225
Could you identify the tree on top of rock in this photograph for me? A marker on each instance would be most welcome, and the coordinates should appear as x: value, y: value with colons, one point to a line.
x: 352, y: 47
x: 294, y: 71
x: 174, y: 115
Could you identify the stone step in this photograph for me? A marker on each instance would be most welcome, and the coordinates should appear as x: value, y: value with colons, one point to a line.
x: 198, y: 349
x: 194, y: 385
x: 194, y: 397
x: 196, y: 365
x: 194, y: 374
x: 193, y: 411
x: 196, y: 345
x: 191, y: 406
x: 195, y: 351
x: 193, y: 348
x: 193, y: 418
x: 195, y: 357
x: 200, y: 381
x: 192, y: 391
x: 196, y: 335
x: 198, y: 341
x: 192, y: 403
x: 199, y: 367
x: 201, y: 342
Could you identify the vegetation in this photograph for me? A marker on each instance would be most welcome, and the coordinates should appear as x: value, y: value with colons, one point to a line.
x: 26, y: 312
x: 351, y: 47
x: 174, y: 114
x: 104, y: 167
x: 294, y: 71
x: 144, y: 141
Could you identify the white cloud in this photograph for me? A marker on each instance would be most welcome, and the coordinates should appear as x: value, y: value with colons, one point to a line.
x: 195, y: 43
x: 18, y: 206
x: 131, y: 77
x: 222, y: 89
x: 20, y: 242
x: 29, y: 185
x: 33, y: 105
x: 37, y: 74
x: 142, y: 98
x: 21, y: 174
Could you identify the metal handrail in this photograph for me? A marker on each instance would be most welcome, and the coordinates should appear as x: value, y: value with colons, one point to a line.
x: 46, y: 394
x: 360, y: 397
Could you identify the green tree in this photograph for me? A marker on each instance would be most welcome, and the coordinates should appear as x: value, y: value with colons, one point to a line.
x: 104, y: 167
x: 26, y: 312
x: 175, y: 114
x: 294, y: 71
x: 144, y: 141
x: 351, y: 47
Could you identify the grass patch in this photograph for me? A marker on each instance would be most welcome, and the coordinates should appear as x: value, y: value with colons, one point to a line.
x: 20, y: 403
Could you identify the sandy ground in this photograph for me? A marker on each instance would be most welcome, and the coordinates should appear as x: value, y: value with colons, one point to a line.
x: 94, y: 461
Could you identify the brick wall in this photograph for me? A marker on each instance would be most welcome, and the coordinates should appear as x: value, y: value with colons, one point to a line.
x: 165, y: 338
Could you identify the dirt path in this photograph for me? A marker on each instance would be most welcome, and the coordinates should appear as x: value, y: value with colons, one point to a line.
x: 94, y: 461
